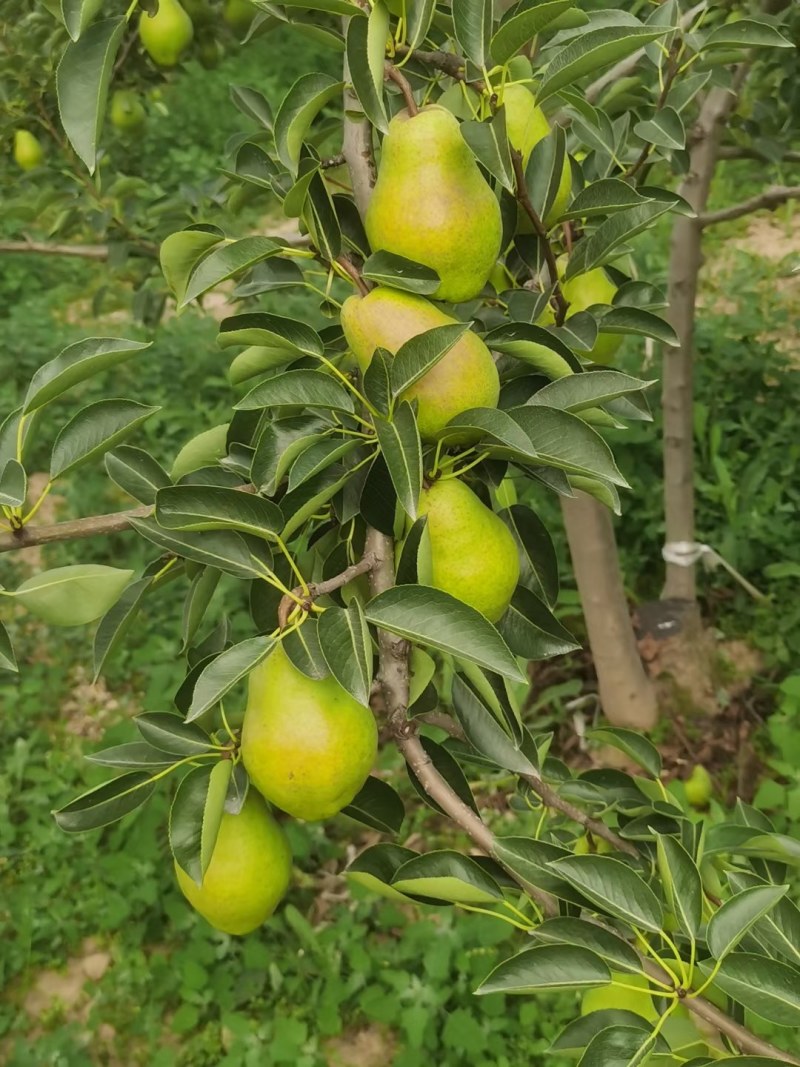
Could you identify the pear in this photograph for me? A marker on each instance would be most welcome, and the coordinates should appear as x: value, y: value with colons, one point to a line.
x: 465, y: 377
x: 167, y: 34
x: 432, y: 205
x: 581, y: 292
x: 526, y: 125
x: 472, y: 555
x: 307, y: 745
x: 248, y: 874
x: 28, y: 153
x: 238, y: 14
x: 127, y: 110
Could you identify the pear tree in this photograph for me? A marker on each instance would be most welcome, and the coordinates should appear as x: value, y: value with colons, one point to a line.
x: 474, y: 226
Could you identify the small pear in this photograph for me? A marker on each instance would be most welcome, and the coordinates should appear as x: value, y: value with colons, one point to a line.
x: 307, y: 745
x: 238, y: 14
x: 526, y: 125
x: 581, y: 292
x: 432, y: 205
x: 127, y: 110
x: 167, y: 34
x: 249, y: 872
x: 699, y: 787
x: 473, y: 555
x: 28, y: 153
x: 466, y: 377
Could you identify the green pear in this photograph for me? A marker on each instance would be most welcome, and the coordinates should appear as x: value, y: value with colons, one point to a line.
x: 127, y: 110
x: 307, y: 745
x: 526, y: 125
x: 238, y: 14
x: 248, y: 874
x: 167, y: 34
x: 432, y: 205
x: 472, y: 554
x: 581, y: 292
x: 466, y: 377
x: 28, y: 153
x: 699, y: 787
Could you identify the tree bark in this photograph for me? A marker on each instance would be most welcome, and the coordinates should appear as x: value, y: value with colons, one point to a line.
x: 626, y: 693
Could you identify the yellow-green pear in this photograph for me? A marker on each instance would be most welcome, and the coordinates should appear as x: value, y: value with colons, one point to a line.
x: 472, y: 554
x: 466, y: 377
x: 432, y: 205
x: 307, y: 745
x: 238, y: 14
x: 699, y: 787
x: 581, y: 292
x: 28, y: 153
x: 167, y: 34
x: 249, y: 872
x: 526, y: 125
x: 127, y: 110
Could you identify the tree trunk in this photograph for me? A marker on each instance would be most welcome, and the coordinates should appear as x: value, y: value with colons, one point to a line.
x: 626, y: 693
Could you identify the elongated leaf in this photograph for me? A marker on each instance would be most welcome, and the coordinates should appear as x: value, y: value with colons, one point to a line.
x: 134, y: 754
x: 604, y: 197
x: 539, y: 564
x: 532, y: 631
x: 8, y: 661
x: 116, y: 623
x: 522, y: 23
x: 271, y: 331
x: 196, y: 815
x: 618, y: 1046
x: 472, y: 20
x: 616, y: 952
x: 310, y: 388
x: 168, y: 732
x: 82, y: 81
x: 135, y: 471
x: 105, y: 804
x: 225, y: 261
x: 299, y: 108
x: 225, y: 549
x: 366, y: 49
x: 74, y: 595
x: 330, y: 7
x: 590, y: 52
x: 485, y: 733
x: 95, y: 431
x: 311, y: 497
x: 745, y: 33
x: 75, y: 364
x: 181, y: 253
x: 614, y: 888
x: 252, y: 103
x: 197, y: 600
x: 282, y: 441
x: 578, y: 1034
x: 416, y: 357
x: 766, y: 987
x: 225, y: 671
x: 547, y: 968
x: 778, y: 931
x: 13, y: 484
x: 682, y: 884
x: 347, y: 647
x: 447, y: 875
x: 374, y: 869
x: 319, y: 455
x: 615, y: 231
x: 433, y: 618
x: 729, y: 924
x: 563, y: 440
x: 580, y: 391
x: 385, y: 268
x: 402, y: 450
x: 633, y: 744
x: 495, y: 427
x: 449, y: 769
x: 489, y: 144
x: 637, y: 321
x: 664, y: 130
x: 206, y: 507
x: 377, y: 805
x: 419, y: 15
x: 77, y: 14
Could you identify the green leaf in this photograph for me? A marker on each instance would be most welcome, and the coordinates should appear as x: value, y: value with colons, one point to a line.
x: 347, y: 647
x: 419, y: 15
x: 614, y: 888
x: 196, y: 815
x: 116, y: 623
x: 309, y: 388
x: 563, y: 440
x: 416, y: 357
x: 385, y: 268
x: 82, y: 81
x: 8, y: 660
x: 531, y: 859
x: 779, y: 931
x: 580, y: 391
x: 577, y: 1035
x: 77, y: 14
x: 544, y: 173
x: 616, y: 952
x: 485, y: 733
x: 136, y: 472
x: 729, y: 924
x: 74, y: 595
x: 225, y: 261
x: 449, y: 769
x: 433, y: 618
x: 366, y: 51
x: 168, y: 732
x: 745, y: 33
x: 603, y: 197
x: 272, y: 331
x: 375, y: 867
x: 134, y: 754
x: 495, y: 427
x: 13, y: 484
x: 631, y: 320
x: 252, y: 103
x: 181, y: 253
x: 105, y: 804
x: 547, y: 968
x: 664, y: 130
x: 311, y: 497
x: 321, y: 218
x: 618, y: 1046
x: 75, y: 364
x: 616, y: 230
x: 94, y: 431
x: 317, y: 457
x: 330, y: 7
x: 532, y: 631
x: 472, y: 21
x: 522, y: 23
x: 633, y: 744
x: 538, y: 560
x: 225, y: 549
x: 489, y: 143
x: 299, y: 108
x: 377, y: 805
x: 682, y: 884
x: 198, y: 598
x: 766, y: 987
x: 212, y: 507
x: 590, y: 52
x: 402, y: 450
x: 225, y: 671
x: 447, y: 875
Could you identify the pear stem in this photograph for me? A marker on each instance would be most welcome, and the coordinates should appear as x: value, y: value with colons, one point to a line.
x: 539, y: 228
x: 400, y: 80
x: 352, y: 271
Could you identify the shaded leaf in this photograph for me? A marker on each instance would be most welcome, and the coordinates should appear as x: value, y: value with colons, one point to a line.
x: 225, y: 671
x: 116, y: 623
x: 402, y: 450
x: 196, y: 815
x: 94, y: 431
x: 386, y: 268
x: 377, y: 805
x: 206, y: 507
x: 447, y: 875
x: 547, y: 968
x: 167, y: 731
x: 347, y: 647
x: 225, y: 261
x: 299, y: 108
x: 136, y: 472
x: 729, y: 924
x: 309, y: 388
x: 614, y: 888
x: 106, y: 803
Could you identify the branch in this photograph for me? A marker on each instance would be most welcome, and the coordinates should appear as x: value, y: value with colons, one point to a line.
x: 76, y: 529
x: 314, y: 590
x: 45, y: 248
x: 538, y: 226
x: 672, y: 70
x: 400, y: 80
x: 448, y: 63
x: 551, y: 799
x: 738, y: 152
x: 333, y: 161
x: 769, y: 199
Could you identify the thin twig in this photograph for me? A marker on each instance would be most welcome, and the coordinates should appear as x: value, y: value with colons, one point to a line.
x: 447, y: 62
x: 551, y: 799
x: 400, y: 80
x: 314, y: 590
x: 738, y: 152
x: 349, y: 267
x: 672, y: 70
x: 76, y: 529
x: 333, y: 161
x: 770, y: 199
x: 541, y: 232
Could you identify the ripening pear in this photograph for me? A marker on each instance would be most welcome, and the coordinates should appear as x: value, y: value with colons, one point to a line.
x: 307, y: 745
x: 581, y: 292
x: 238, y: 14
x: 167, y: 34
x: 432, y: 205
x: 699, y: 787
x: 472, y: 554
x: 466, y: 377
x: 127, y: 110
x: 526, y: 125
x: 249, y: 872
x: 28, y: 153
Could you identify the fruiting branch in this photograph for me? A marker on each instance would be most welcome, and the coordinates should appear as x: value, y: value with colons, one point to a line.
x: 551, y: 799
x: 308, y: 594
x: 770, y: 199
x: 400, y: 80
x: 539, y: 228
x: 447, y: 62
x: 74, y: 530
